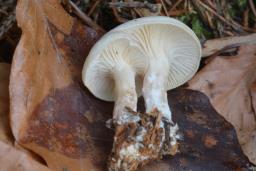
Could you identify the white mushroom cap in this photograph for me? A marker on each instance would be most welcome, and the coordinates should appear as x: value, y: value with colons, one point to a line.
x: 111, y: 52
x: 138, y: 42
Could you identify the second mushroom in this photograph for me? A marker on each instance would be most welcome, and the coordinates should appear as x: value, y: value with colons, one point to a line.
x: 145, y: 56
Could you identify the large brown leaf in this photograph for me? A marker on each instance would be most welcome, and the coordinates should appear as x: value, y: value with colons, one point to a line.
x: 230, y: 84
x: 11, y: 158
x: 55, y: 116
x: 14, y: 159
x: 51, y: 112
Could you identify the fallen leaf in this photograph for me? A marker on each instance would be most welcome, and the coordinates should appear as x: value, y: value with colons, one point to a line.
x: 49, y: 104
x: 230, y: 84
x: 12, y: 158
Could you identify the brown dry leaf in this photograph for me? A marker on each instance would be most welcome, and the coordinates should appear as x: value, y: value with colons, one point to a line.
x: 49, y: 105
x: 230, y: 84
x: 11, y: 158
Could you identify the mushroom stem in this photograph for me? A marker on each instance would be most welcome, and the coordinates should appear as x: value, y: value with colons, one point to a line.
x: 154, y: 89
x: 126, y: 96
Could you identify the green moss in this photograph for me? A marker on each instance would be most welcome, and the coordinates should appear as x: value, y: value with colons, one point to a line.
x: 194, y: 21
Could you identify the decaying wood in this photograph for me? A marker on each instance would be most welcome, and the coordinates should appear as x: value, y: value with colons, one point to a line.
x: 143, y: 138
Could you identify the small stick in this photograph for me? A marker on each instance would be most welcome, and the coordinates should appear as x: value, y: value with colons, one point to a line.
x: 118, y: 18
x: 177, y: 12
x: 138, y: 12
x: 133, y: 13
x: 229, y: 33
x: 245, y: 28
x: 168, y: 2
x: 164, y: 7
x: 252, y: 7
x: 233, y: 24
x: 246, y: 17
x: 7, y: 24
x: 210, y: 20
x: 175, y: 5
x: 3, y: 12
x: 93, y: 8
x: 134, y: 4
x: 209, y: 2
x: 84, y: 17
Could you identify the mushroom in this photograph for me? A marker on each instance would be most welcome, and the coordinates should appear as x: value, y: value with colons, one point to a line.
x: 145, y: 56
x: 110, y: 72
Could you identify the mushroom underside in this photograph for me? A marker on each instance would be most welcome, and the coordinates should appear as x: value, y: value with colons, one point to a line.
x: 166, y: 53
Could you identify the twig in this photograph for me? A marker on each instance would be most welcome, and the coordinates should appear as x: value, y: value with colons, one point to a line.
x: 246, y: 17
x: 252, y: 7
x: 137, y: 12
x: 133, y: 13
x: 189, y: 5
x: 115, y: 12
x: 174, y: 6
x: 245, y: 28
x: 220, y: 10
x: 209, y: 2
x: 209, y: 19
x: 228, y: 33
x: 231, y: 23
x: 7, y: 24
x: 168, y: 2
x: 93, y: 8
x: 134, y: 4
x: 3, y: 12
x: 118, y: 18
x: 164, y: 7
x: 84, y: 17
x: 177, y: 12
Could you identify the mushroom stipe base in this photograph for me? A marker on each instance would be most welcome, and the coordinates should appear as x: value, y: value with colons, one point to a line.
x: 143, y: 137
